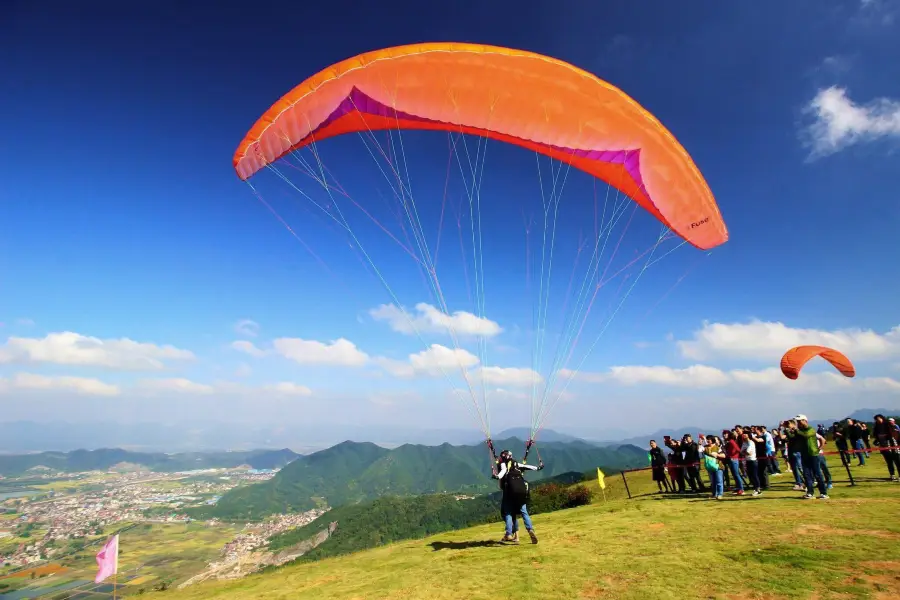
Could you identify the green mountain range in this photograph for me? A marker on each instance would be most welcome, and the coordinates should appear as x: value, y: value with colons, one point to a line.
x: 352, y: 472
x: 93, y: 460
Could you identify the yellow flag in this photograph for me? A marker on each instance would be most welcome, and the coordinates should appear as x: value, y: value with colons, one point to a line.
x: 601, y: 479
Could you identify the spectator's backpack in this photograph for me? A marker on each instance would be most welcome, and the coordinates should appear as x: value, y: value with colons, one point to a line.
x: 516, y: 486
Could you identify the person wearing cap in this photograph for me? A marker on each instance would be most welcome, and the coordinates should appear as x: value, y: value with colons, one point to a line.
x: 809, y: 455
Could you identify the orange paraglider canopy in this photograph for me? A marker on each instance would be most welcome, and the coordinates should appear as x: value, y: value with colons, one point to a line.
x: 514, y: 96
x: 793, y: 360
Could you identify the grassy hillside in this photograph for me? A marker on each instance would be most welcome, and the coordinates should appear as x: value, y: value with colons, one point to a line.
x: 774, y: 546
x: 93, y: 460
x: 353, y: 472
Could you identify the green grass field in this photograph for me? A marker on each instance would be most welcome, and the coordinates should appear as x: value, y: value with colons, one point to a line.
x: 654, y: 546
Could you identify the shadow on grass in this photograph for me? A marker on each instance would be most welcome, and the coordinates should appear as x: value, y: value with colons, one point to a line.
x: 463, y: 545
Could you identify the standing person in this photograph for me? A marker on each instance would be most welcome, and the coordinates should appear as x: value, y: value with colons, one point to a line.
x: 887, y: 439
x: 809, y: 456
x: 864, y: 430
x: 674, y: 471
x: 711, y: 457
x: 732, y: 453
x: 658, y: 466
x: 840, y: 442
x: 678, y: 460
x: 854, y: 435
x: 739, y: 438
x: 795, y: 446
x: 515, y: 496
x: 823, y: 461
x: 762, y: 474
x: 692, y: 463
x: 718, y: 445
x: 771, y: 452
x: 748, y: 452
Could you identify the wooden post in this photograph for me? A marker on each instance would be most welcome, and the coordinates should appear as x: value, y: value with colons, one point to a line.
x: 625, y: 480
x: 847, y: 467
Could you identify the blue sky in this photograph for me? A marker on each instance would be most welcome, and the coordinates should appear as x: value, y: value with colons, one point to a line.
x: 132, y: 259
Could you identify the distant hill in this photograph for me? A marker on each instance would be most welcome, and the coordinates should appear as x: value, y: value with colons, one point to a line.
x: 352, y: 472
x: 545, y: 435
x: 103, y: 459
x: 390, y: 519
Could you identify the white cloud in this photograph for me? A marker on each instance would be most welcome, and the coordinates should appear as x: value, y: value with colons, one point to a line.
x: 310, y: 352
x: 68, y: 348
x: 247, y: 328
x: 177, y: 385
x: 509, y: 376
x: 770, y: 380
x: 839, y: 122
x: 768, y: 341
x: 243, y: 370
x: 85, y: 386
x: 882, y: 12
x: 505, y: 394
x: 434, y: 361
x: 288, y: 388
x: 699, y: 376
x: 431, y: 320
x: 248, y: 348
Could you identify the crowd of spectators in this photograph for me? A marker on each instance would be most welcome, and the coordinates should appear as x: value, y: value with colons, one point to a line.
x: 744, y: 459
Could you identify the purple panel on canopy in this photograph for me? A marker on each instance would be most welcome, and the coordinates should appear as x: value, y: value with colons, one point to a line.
x: 359, y: 101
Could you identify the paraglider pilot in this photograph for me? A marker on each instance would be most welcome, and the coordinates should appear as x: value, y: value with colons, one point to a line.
x: 515, y: 494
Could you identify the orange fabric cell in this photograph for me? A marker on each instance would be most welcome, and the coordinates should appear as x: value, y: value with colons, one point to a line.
x: 514, y: 96
x: 794, y: 359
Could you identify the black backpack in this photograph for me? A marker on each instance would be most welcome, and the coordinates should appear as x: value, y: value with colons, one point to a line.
x: 516, y: 486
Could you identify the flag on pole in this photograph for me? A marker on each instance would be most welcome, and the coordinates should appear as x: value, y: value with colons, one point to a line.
x: 108, y: 559
x: 601, y: 479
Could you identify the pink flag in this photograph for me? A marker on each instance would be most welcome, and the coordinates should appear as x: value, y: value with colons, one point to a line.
x: 108, y: 559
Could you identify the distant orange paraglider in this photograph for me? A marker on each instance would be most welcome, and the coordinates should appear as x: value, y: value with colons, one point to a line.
x: 793, y: 360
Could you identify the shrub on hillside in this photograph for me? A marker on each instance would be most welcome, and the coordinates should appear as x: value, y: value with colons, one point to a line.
x: 553, y: 496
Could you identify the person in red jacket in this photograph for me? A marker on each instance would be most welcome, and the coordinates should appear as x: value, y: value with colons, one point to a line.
x: 733, y: 460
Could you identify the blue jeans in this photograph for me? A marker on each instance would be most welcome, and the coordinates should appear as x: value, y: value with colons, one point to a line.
x: 823, y: 465
x: 734, y: 465
x: 797, y: 467
x: 716, y: 480
x: 812, y: 471
x: 512, y: 520
x: 860, y: 448
x: 773, y: 464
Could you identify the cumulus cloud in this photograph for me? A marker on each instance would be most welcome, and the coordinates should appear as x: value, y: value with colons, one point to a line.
x: 767, y: 341
x: 84, y: 386
x: 288, y: 389
x: 248, y: 348
x: 509, y: 376
x: 434, y: 361
x: 68, y: 348
x: 839, y: 122
x: 177, y: 385
x: 340, y: 352
x: 247, y: 328
x: 429, y: 319
x: 706, y: 377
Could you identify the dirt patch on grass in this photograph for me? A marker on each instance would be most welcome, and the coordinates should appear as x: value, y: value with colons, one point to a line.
x: 609, y: 586
x: 819, y: 529
x: 656, y: 526
x: 882, y: 578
